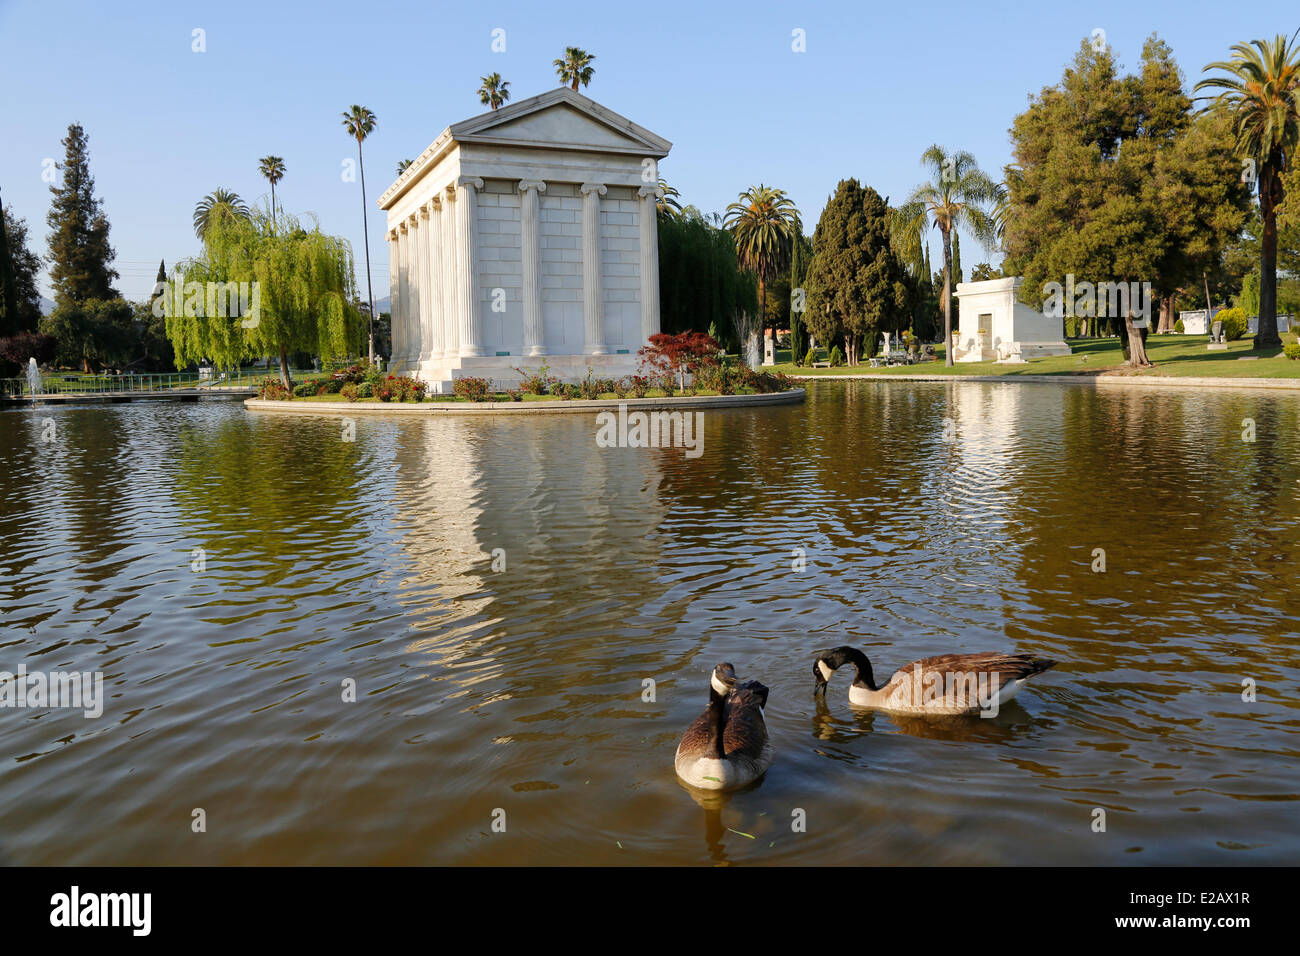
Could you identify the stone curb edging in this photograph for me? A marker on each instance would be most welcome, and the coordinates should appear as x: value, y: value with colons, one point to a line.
x: 791, y: 397
x: 1139, y: 380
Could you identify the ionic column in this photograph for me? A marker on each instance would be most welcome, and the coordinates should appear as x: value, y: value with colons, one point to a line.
x: 592, y: 306
x: 402, y: 327
x: 394, y: 290
x: 471, y: 314
x: 648, y: 219
x: 450, y: 296
x: 432, y: 212
x: 530, y: 251
x: 415, y: 267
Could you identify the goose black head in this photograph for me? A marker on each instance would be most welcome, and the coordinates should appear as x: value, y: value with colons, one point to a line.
x: 828, y: 662
x: 723, y: 679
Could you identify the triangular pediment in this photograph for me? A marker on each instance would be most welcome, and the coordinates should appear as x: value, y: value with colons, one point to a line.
x: 561, y: 119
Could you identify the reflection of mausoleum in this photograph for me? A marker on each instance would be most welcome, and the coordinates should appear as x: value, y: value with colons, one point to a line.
x: 526, y: 235
x: 995, y: 326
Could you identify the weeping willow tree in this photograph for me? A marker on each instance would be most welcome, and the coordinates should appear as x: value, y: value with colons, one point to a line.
x: 258, y: 290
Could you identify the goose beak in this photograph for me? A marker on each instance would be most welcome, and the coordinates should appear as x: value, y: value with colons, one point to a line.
x: 819, y: 677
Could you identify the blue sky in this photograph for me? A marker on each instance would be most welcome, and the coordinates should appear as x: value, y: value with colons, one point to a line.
x: 877, y: 84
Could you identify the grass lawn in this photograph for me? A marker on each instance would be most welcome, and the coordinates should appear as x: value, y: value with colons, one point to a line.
x: 1173, y: 355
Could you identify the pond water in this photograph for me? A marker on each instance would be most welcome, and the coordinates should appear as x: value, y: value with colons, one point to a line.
x: 927, y: 517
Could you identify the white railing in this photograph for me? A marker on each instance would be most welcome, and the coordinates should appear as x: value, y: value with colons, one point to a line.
x: 91, y: 385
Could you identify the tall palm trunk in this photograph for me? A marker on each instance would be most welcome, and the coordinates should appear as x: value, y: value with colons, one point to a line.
x: 1270, y: 194
x: 947, y: 297
x: 365, y: 229
x: 273, y: 205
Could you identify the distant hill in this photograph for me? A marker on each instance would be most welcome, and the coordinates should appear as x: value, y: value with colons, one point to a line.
x: 383, y: 305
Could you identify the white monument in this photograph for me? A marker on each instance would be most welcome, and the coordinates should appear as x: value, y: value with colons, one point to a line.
x: 995, y: 326
x: 524, y: 236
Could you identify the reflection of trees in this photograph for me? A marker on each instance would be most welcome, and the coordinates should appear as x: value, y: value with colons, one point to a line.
x: 270, y: 496
x: 91, y: 465
x: 1196, y: 526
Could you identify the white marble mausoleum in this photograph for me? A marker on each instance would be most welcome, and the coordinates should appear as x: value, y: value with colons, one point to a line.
x: 526, y: 235
x: 995, y: 326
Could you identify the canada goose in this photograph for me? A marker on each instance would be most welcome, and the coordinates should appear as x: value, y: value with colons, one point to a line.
x: 726, y: 747
x: 947, y: 684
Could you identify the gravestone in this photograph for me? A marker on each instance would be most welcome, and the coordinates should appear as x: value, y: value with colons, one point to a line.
x: 769, y: 351
x: 1217, y: 342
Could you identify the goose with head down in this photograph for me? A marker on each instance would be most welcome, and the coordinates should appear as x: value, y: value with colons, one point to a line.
x: 943, y: 685
x: 726, y: 747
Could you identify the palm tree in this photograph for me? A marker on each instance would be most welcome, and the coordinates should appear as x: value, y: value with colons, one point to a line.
x: 403, y: 165
x: 575, y: 67
x: 360, y: 123
x: 668, y: 205
x: 215, y: 205
x: 1261, y: 95
x: 958, y: 195
x: 764, y: 222
x: 272, y: 167
x: 494, y: 91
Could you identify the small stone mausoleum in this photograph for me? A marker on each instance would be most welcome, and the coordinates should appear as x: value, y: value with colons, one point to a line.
x: 995, y: 326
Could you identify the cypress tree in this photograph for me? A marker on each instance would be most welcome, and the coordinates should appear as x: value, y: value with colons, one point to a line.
x: 8, y: 287
x: 80, y: 256
x: 798, y: 273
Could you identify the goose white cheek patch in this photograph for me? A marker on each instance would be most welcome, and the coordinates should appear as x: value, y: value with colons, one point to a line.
x: 826, y: 671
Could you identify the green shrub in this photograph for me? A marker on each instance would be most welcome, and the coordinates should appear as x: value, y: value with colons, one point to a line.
x: 537, y: 383
x: 349, y: 392
x: 1178, y: 327
x: 515, y: 394
x: 366, y: 390
x: 306, y: 389
x: 811, y: 357
x: 1291, y: 351
x: 474, y: 389
x: 405, y: 388
x: 272, y: 390
x: 638, y: 385
x: 1234, y: 323
x: 837, y: 357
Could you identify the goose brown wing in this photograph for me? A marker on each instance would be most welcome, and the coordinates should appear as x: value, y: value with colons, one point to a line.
x: 695, y: 742
x: 745, y: 733
x: 955, y: 669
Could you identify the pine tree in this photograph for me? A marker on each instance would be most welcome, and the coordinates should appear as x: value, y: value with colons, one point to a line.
x: 80, y: 256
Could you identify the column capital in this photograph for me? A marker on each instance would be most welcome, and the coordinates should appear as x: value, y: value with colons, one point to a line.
x: 470, y: 181
x: 411, y: 219
x: 650, y: 190
x: 401, y: 226
x: 435, y: 202
x: 527, y: 184
x: 392, y: 234
x: 598, y: 188
x: 424, y: 210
